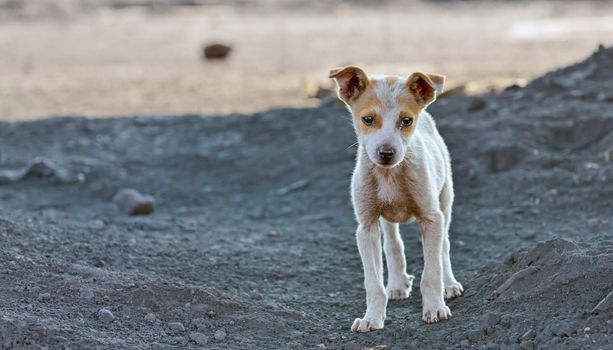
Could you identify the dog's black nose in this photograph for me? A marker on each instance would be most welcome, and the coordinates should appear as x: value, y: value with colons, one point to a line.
x: 386, y: 153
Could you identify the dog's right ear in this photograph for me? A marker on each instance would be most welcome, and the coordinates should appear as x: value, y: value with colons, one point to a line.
x: 351, y: 81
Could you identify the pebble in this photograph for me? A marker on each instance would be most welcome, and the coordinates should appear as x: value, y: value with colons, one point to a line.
x: 474, y: 335
x: 220, y: 335
x: 132, y: 202
x: 216, y: 51
x: 176, y: 327
x: 273, y: 233
x: 198, y: 338
x: 491, y: 319
x: 150, y: 317
x: 105, y: 315
x: 44, y: 297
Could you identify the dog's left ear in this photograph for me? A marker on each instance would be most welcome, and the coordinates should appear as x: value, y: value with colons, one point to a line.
x: 425, y: 87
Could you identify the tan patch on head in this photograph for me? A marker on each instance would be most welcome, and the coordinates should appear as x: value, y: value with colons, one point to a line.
x: 383, y: 94
x: 409, y: 108
x: 367, y: 105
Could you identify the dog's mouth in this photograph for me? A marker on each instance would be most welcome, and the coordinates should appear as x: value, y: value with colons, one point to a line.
x: 386, y: 164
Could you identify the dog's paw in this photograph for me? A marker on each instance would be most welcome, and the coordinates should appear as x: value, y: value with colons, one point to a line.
x: 365, y: 325
x: 436, y: 312
x: 453, y: 290
x: 399, y: 288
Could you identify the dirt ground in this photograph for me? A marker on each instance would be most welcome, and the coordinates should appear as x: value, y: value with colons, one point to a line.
x: 252, y: 244
x: 61, y: 57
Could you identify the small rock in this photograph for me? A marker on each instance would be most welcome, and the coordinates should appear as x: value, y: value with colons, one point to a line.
x: 132, y: 202
x: 474, y: 335
x: 99, y: 263
x: 105, y: 315
x: 176, y: 327
x: 44, y: 297
x: 477, y: 104
x: 198, y: 338
x: 220, y: 335
x: 150, y: 317
x: 216, y: 51
x: 491, y: 319
x: 558, y: 328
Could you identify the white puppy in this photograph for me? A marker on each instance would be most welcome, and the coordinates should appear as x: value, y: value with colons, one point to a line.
x: 402, y: 173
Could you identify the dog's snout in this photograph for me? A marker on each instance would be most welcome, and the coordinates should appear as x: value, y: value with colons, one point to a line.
x: 386, y: 153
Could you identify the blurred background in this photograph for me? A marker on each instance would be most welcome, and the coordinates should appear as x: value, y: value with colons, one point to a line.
x: 101, y: 58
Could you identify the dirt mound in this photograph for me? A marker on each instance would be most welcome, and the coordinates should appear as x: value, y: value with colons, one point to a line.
x: 252, y: 241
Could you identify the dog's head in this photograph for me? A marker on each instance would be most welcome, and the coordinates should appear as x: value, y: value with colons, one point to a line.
x: 385, y: 109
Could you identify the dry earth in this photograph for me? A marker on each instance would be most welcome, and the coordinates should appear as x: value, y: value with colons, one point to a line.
x: 252, y: 243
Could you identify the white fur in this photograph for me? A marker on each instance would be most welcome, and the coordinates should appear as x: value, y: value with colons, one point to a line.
x: 423, y: 170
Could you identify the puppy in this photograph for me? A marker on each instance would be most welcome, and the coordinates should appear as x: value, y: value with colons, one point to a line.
x: 402, y: 174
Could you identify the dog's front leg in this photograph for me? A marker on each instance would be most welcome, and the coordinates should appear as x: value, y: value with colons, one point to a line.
x: 369, y: 245
x: 434, y: 308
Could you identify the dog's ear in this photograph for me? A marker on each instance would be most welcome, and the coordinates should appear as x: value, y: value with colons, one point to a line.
x: 425, y: 87
x: 351, y: 81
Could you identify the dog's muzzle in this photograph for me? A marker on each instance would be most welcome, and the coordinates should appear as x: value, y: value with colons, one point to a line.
x: 386, y: 154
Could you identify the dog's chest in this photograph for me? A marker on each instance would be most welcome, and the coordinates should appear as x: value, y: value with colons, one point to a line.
x: 395, y: 199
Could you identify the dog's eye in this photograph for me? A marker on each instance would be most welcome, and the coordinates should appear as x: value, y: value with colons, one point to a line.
x: 406, y: 122
x: 368, y: 120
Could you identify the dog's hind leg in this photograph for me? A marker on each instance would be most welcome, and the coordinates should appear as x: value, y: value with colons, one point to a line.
x: 369, y: 245
x: 399, y: 283
x: 453, y: 288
